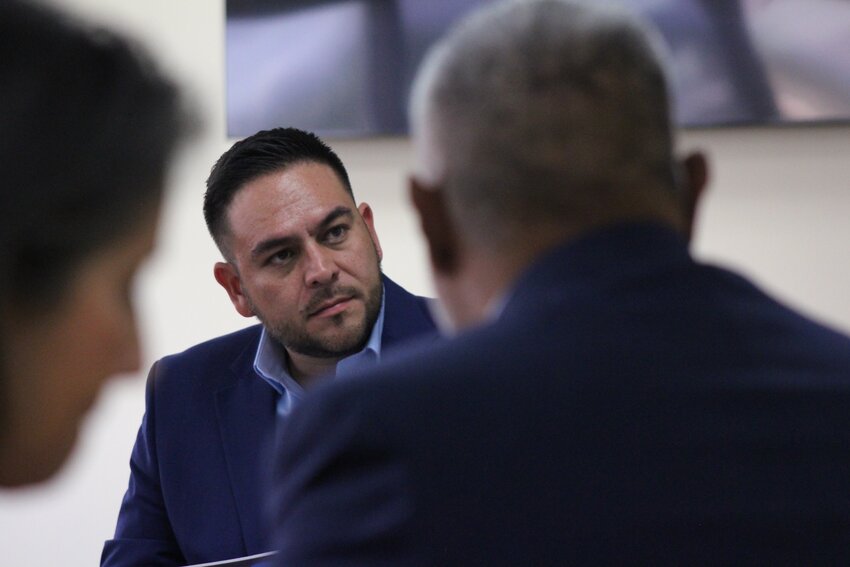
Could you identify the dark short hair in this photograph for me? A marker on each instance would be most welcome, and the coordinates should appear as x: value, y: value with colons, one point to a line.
x: 265, y: 152
x: 87, y: 128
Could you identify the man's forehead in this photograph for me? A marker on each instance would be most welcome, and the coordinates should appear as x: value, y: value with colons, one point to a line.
x: 299, y: 187
x: 296, y: 199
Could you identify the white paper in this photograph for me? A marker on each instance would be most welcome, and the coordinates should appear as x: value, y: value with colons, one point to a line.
x: 247, y: 561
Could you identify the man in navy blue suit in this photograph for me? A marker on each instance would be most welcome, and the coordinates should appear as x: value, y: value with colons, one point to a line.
x: 607, y: 398
x: 305, y: 260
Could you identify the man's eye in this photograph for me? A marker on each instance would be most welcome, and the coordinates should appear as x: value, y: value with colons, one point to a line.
x: 336, y: 233
x: 281, y: 256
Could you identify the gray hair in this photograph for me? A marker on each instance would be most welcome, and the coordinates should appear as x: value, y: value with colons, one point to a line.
x: 543, y: 111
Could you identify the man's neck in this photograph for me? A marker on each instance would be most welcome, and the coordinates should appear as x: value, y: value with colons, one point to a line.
x: 490, y: 272
x: 306, y: 370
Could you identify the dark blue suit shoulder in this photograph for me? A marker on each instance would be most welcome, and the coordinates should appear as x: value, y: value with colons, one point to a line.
x: 201, y: 364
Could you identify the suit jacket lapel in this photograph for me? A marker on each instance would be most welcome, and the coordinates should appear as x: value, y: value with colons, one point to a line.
x: 246, y: 418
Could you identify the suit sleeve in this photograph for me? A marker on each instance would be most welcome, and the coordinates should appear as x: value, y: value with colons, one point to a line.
x: 143, y: 535
x: 339, y: 495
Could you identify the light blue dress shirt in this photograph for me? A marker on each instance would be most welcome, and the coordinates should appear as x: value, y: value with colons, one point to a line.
x: 271, y: 357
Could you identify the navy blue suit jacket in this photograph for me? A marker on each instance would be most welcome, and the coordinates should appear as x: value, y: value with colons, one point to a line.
x: 629, y: 406
x: 197, y: 466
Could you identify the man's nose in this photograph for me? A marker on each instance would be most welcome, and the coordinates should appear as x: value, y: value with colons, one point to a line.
x: 320, y: 266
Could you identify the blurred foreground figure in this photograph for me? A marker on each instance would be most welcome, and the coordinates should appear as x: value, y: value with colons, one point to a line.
x: 87, y: 128
x: 607, y: 399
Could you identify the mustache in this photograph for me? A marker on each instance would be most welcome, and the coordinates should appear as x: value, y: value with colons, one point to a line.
x: 328, y: 293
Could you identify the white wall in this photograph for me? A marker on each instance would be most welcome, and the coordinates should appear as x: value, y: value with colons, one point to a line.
x: 777, y: 209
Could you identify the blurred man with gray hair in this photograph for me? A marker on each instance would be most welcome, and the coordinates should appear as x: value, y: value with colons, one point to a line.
x: 605, y: 397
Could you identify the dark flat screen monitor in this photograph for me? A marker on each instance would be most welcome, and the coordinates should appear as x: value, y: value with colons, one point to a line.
x: 343, y: 68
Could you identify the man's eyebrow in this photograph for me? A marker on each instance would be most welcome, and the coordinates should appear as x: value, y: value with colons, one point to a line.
x: 340, y: 211
x: 266, y: 245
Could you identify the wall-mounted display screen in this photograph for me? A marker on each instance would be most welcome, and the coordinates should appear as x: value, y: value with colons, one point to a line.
x: 343, y: 68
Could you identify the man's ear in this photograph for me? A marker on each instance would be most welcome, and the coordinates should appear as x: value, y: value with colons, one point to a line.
x: 694, y: 168
x: 369, y: 219
x: 226, y: 275
x: 437, y: 226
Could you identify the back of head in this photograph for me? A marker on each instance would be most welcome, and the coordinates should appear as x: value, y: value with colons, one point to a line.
x: 265, y: 152
x: 545, y: 113
x: 86, y: 132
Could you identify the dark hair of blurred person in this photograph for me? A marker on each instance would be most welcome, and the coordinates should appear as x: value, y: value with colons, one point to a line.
x: 87, y: 129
